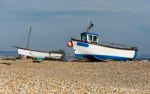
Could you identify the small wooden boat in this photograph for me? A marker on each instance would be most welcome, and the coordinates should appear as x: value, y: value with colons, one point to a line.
x: 29, y: 53
x: 88, y: 47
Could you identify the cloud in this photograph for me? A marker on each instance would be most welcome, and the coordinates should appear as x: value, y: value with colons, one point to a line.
x: 38, y: 14
x: 82, y: 10
x: 35, y: 14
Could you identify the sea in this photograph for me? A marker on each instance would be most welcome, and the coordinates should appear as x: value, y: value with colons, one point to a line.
x: 8, y: 54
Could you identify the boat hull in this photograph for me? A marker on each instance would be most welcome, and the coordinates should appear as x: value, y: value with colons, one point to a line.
x: 100, y: 52
x: 31, y: 53
x: 55, y: 55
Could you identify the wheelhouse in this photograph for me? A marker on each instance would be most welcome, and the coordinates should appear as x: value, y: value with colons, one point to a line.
x: 89, y: 37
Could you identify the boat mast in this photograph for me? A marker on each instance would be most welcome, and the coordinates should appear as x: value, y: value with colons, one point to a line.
x: 29, y: 37
x: 90, y: 26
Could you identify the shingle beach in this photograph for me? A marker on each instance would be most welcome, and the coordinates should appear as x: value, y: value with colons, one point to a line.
x: 56, y: 77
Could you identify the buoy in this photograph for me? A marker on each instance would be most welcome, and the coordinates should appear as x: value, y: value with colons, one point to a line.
x: 69, y: 44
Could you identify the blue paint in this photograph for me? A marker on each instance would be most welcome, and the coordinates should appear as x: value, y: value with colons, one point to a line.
x: 90, y: 33
x: 82, y: 44
x: 101, y: 57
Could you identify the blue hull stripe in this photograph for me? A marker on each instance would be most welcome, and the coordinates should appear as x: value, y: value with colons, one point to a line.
x: 82, y: 44
x: 100, y: 57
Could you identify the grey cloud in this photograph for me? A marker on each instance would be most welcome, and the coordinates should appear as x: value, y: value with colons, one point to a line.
x: 45, y: 14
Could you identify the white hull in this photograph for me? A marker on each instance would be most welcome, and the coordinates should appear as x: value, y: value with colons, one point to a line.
x: 30, y: 53
x: 39, y: 54
x: 88, y: 50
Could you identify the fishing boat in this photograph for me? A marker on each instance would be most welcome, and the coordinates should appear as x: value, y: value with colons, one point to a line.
x: 88, y: 47
x: 29, y: 53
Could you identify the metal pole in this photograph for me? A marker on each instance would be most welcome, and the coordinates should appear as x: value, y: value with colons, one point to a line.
x: 29, y: 37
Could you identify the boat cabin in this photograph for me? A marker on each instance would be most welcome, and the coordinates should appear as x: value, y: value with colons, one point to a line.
x: 89, y: 37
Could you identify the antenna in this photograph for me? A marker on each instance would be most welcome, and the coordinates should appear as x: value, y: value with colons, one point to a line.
x: 29, y: 37
x: 90, y: 26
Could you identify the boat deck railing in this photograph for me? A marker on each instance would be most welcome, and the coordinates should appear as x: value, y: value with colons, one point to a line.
x: 117, y: 45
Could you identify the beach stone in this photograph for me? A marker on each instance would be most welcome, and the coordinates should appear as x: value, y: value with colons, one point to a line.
x: 55, y: 77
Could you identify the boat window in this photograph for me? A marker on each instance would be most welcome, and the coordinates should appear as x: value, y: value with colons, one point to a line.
x: 94, y: 38
x: 90, y: 37
x: 83, y: 38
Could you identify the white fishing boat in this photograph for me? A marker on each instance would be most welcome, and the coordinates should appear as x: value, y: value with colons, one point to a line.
x: 29, y: 53
x: 88, y: 47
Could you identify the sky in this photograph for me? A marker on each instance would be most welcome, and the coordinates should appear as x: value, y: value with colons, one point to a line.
x: 54, y: 22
